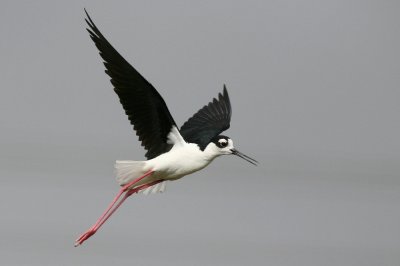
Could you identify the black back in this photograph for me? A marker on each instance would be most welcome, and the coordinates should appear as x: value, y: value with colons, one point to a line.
x: 209, y: 121
x: 144, y: 106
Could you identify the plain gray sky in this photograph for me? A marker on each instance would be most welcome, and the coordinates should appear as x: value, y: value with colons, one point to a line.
x: 315, y: 92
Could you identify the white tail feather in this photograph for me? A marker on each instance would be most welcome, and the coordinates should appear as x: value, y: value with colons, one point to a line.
x: 127, y: 171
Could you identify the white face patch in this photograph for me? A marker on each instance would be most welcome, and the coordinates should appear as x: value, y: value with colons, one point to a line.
x: 219, y: 146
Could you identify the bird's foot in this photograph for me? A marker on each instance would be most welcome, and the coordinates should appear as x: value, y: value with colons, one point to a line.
x: 84, y: 236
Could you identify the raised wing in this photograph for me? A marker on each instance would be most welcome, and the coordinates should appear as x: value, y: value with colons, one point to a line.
x: 209, y: 121
x: 144, y: 106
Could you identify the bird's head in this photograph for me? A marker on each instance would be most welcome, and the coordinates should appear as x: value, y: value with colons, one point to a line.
x: 223, y: 145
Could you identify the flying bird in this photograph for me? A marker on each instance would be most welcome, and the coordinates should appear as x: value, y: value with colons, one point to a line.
x: 172, y: 152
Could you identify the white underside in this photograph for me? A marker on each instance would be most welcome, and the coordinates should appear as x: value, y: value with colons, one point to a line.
x: 178, y: 162
x: 183, y: 159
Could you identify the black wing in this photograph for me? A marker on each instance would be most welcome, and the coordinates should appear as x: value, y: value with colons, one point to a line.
x: 209, y: 121
x: 144, y: 106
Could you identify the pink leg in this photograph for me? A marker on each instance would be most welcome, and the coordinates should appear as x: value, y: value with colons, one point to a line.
x: 94, y: 228
x: 127, y: 195
x: 91, y: 230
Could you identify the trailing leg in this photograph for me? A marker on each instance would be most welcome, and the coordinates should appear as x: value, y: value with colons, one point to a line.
x: 92, y: 230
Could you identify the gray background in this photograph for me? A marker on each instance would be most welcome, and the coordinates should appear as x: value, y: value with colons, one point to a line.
x: 315, y: 93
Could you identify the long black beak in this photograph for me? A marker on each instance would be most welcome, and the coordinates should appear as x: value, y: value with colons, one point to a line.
x: 244, y: 157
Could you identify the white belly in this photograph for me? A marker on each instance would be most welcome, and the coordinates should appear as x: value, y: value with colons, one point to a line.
x: 178, y: 162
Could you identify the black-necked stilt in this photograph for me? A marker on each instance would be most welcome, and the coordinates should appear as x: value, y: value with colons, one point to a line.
x: 171, y: 152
